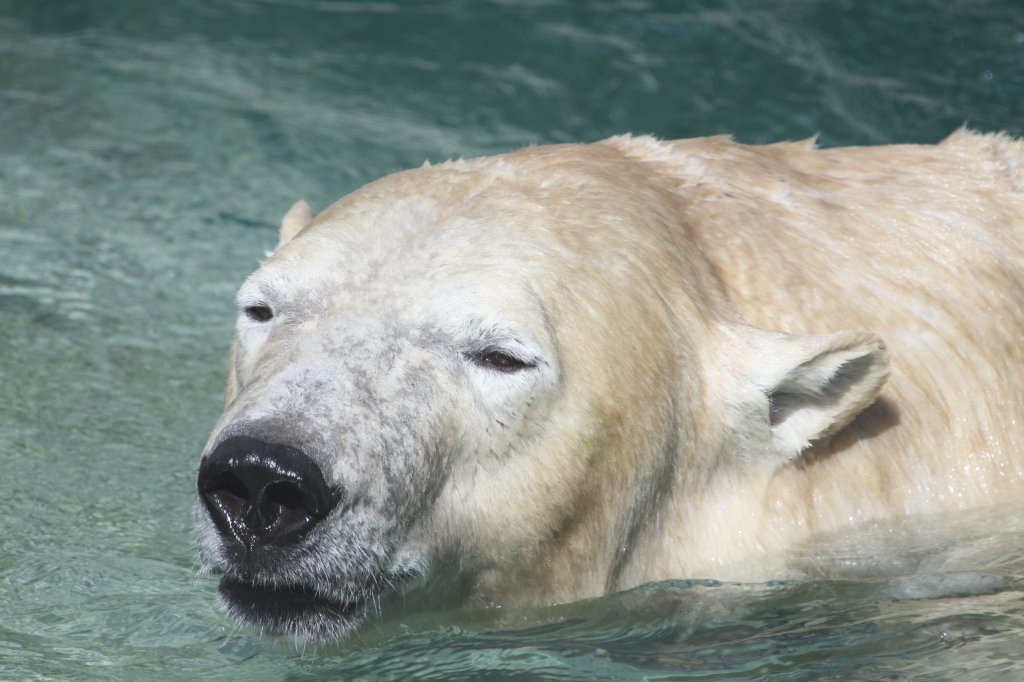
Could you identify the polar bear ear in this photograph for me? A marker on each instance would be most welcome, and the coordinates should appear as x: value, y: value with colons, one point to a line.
x: 297, y: 217
x: 815, y: 385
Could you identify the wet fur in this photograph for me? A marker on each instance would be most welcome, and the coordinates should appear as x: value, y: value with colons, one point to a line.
x: 735, y: 347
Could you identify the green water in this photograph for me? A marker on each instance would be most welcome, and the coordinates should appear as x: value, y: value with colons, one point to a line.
x: 147, y: 150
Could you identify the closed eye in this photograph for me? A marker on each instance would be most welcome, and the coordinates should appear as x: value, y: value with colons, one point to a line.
x: 500, y: 361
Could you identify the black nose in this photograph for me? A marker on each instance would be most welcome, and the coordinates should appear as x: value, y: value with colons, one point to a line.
x: 263, y: 493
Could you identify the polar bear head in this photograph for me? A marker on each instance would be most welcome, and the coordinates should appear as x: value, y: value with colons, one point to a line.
x: 481, y: 381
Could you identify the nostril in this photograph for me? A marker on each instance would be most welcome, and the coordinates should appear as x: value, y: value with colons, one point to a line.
x: 287, y: 495
x: 283, y: 502
x: 286, y: 509
x: 226, y: 498
x: 225, y: 484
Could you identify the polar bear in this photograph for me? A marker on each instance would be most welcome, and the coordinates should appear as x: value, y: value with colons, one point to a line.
x: 567, y: 370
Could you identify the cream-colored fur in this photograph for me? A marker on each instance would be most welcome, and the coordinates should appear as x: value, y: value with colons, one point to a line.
x: 919, y: 244
x: 735, y: 347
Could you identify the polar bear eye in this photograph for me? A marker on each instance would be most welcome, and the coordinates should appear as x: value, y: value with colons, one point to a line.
x: 259, y: 312
x: 500, y: 360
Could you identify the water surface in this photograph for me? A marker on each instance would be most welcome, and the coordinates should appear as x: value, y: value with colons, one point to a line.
x: 147, y: 151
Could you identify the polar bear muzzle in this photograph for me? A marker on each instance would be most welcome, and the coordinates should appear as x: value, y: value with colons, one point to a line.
x: 265, y: 500
x: 262, y: 496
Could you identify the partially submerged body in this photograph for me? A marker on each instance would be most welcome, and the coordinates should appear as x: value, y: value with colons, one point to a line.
x: 568, y: 370
x: 920, y: 244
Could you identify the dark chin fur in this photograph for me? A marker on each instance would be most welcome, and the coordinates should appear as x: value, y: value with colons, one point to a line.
x: 291, y: 610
